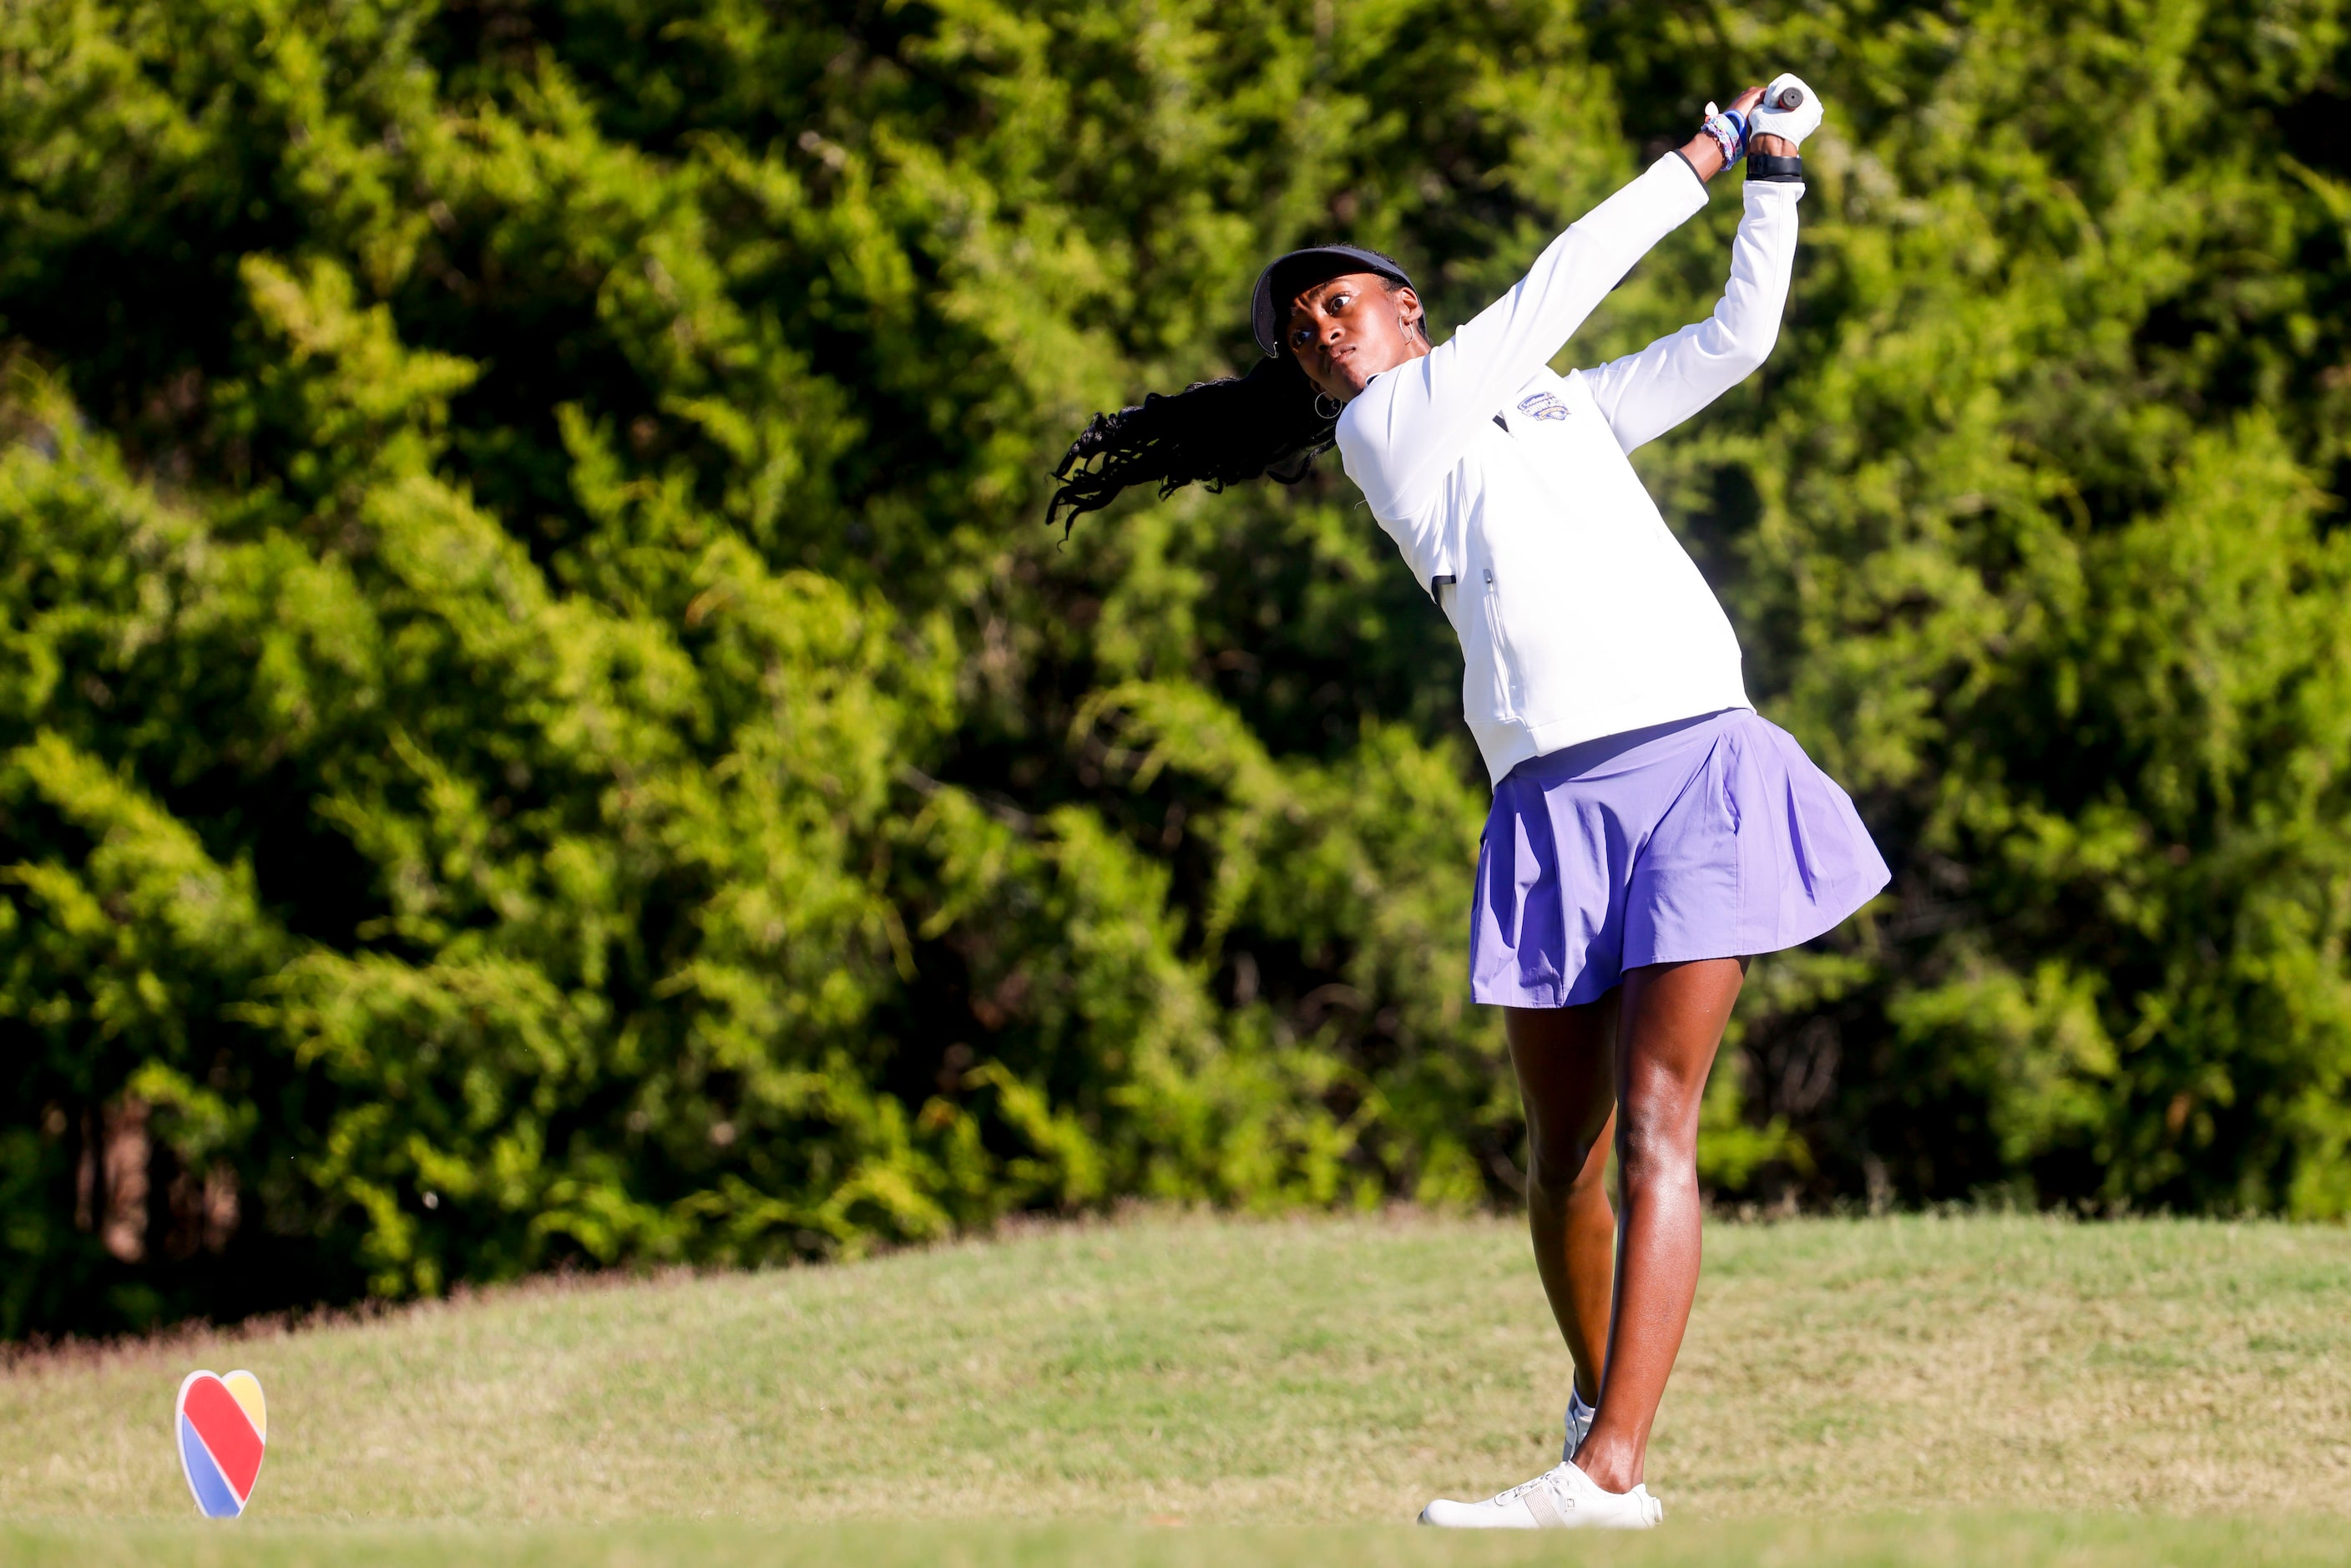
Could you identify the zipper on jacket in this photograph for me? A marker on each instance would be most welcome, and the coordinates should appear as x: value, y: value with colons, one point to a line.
x: 1506, y: 663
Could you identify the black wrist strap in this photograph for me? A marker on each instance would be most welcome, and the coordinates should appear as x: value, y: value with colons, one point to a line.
x: 1772, y: 166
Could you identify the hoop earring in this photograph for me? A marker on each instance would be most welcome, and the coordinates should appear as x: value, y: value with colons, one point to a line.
x: 1337, y: 409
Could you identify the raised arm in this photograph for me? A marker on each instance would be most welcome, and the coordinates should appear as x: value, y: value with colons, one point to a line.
x: 1645, y: 394
x: 1411, y: 425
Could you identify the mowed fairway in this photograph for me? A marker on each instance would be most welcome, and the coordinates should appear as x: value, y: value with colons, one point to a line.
x: 2024, y: 1389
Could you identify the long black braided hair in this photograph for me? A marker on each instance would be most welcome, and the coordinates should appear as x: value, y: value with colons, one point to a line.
x: 1270, y: 423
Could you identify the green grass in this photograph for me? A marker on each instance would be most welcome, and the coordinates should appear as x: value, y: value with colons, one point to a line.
x: 1939, y: 1541
x: 1929, y: 1390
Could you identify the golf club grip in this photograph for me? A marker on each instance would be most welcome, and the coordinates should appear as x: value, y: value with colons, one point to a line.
x: 1790, y: 98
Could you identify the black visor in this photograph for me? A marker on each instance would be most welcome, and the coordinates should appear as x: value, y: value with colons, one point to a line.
x: 1281, y: 283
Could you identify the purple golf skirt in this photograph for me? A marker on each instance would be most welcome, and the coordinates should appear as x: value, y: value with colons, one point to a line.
x: 1712, y: 837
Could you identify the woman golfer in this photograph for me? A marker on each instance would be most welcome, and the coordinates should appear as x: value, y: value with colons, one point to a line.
x: 1649, y: 831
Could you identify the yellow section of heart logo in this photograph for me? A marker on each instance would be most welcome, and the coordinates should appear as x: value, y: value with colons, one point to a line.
x: 245, y: 1389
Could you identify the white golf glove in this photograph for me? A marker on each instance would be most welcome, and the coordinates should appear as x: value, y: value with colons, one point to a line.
x: 1796, y: 123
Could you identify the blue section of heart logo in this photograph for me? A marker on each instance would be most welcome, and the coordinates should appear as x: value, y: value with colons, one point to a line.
x: 1543, y: 405
x: 215, y: 1499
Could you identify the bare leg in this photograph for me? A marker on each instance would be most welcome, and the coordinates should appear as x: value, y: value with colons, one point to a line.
x: 1567, y: 1081
x: 1673, y: 1016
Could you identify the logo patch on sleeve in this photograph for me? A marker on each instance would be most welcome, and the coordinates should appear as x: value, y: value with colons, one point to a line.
x: 1543, y: 405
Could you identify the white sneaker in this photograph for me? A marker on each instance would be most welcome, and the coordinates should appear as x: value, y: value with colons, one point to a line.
x: 1578, y: 1422
x: 1561, y: 1498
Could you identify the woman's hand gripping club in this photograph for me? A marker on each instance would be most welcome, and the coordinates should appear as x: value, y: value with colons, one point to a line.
x: 1777, y: 119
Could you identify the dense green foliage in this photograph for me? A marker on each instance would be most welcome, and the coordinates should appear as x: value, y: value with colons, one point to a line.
x: 539, y: 721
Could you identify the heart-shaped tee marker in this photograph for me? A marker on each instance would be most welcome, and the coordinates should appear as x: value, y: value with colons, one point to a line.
x: 220, y: 1426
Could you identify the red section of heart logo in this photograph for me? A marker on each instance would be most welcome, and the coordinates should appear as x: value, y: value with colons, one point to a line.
x: 226, y: 1430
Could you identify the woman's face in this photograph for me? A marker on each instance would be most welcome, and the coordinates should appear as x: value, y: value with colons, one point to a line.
x: 1348, y: 330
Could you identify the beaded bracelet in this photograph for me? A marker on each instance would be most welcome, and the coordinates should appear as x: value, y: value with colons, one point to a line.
x: 1728, y: 131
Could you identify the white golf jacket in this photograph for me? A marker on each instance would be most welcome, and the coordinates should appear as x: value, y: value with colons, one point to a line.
x: 1508, y: 488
